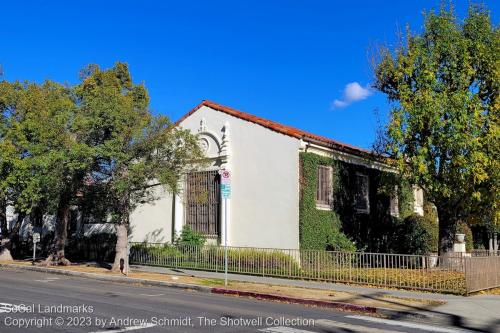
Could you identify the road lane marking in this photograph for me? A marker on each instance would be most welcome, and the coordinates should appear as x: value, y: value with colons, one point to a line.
x: 125, y: 329
x: 152, y: 295
x: 283, y: 329
x: 48, y: 279
x: 325, y: 323
x: 424, y: 327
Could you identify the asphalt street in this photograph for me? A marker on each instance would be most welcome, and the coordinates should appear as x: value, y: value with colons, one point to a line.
x: 40, y: 302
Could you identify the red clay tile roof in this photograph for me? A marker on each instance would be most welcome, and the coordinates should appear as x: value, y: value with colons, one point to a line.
x: 283, y: 129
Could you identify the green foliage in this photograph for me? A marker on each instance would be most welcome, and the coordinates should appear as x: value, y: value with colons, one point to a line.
x: 41, y: 153
x: 190, y: 237
x: 165, y: 250
x: 95, y: 145
x: 248, y: 260
x: 444, y: 124
x: 315, y: 265
x: 240, y: 260
x: 417, y: 235
x: 136, y: 150
x: 318, y: 229
x: 375, y: 231
x: 392, y: 183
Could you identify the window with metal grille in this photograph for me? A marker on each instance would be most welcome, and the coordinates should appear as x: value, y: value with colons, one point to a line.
x: 324, y: 191
x: 203, y: 202
x: 361, y: 195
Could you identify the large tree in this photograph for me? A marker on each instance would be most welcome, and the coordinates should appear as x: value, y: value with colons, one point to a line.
x: 17, y: 176
x: 136, y: 152
x: 44, y: 158
x: 444, y: 125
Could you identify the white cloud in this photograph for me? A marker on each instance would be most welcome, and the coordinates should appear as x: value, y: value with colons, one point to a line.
x: 337, y: 104
x: 353, y: 92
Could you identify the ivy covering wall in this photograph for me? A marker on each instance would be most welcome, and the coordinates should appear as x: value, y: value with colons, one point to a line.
x: 343, y: 227
x: 318, y: 229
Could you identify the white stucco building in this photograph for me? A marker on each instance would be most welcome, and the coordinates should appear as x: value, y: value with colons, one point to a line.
x: 263, y: 158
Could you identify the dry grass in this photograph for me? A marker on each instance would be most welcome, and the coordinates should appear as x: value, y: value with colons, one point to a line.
x: 494, y: 291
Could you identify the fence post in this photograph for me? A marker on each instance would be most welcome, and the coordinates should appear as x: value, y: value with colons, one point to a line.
x: 464, y: 263
x: 350, y: 267
x: 263, y: 264
x: 385, y: 269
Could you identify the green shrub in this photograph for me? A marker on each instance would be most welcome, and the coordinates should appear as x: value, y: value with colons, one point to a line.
x: 248, y: 260
x: 162, y: 250
x: 417, y: 235
x: 241, y: 260
x: 337, y: 241
x: 190, y: 237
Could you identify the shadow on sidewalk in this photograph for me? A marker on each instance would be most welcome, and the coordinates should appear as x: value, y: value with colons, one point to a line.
x: 444, y: 318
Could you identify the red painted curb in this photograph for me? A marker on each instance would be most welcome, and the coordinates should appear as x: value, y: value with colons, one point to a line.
x: 326, y: 304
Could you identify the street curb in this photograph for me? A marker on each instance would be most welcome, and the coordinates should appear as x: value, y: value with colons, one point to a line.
x: 128, y: 280
x: 222, y: 291
x: 295, y: 300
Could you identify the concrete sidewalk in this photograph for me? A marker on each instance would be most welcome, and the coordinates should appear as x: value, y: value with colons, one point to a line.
x: 471, y: 311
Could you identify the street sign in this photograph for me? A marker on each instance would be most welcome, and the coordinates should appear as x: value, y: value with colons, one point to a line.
x: 225, y: 191
x: 225, y: 177
x: 36, y: 237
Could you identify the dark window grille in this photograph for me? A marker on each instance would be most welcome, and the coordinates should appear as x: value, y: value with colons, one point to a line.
x: 203, y: 202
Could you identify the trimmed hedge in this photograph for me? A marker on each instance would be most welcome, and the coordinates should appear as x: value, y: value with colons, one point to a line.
x: 417, y: 235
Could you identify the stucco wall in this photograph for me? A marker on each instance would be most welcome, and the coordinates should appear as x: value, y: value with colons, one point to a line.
x: 264, y: 208
x: 152, y: 222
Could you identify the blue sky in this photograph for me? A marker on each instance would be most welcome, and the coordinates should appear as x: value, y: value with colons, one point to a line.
x: 289, y: 61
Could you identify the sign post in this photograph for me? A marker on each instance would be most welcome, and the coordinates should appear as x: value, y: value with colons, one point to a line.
x: 36, y: 239
x: 225, y: 190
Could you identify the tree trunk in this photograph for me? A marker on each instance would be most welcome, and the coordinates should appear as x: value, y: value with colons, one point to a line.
x: 37, y: 216
x: 4, y: 230
x: 447, y: 229
x: 56, y: 253
x: 5, y: 243
x: 121, y: 257
x: 11, y: 237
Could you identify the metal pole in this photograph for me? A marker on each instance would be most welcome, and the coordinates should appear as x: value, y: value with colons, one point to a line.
x: 225, y: 242
x: 127, y: 267
x: 34, y: 253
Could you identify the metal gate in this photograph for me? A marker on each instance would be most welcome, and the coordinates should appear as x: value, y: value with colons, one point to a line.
x: 203, y: 202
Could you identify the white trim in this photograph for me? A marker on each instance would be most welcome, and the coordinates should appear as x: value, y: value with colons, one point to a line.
x: 345, y: 157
